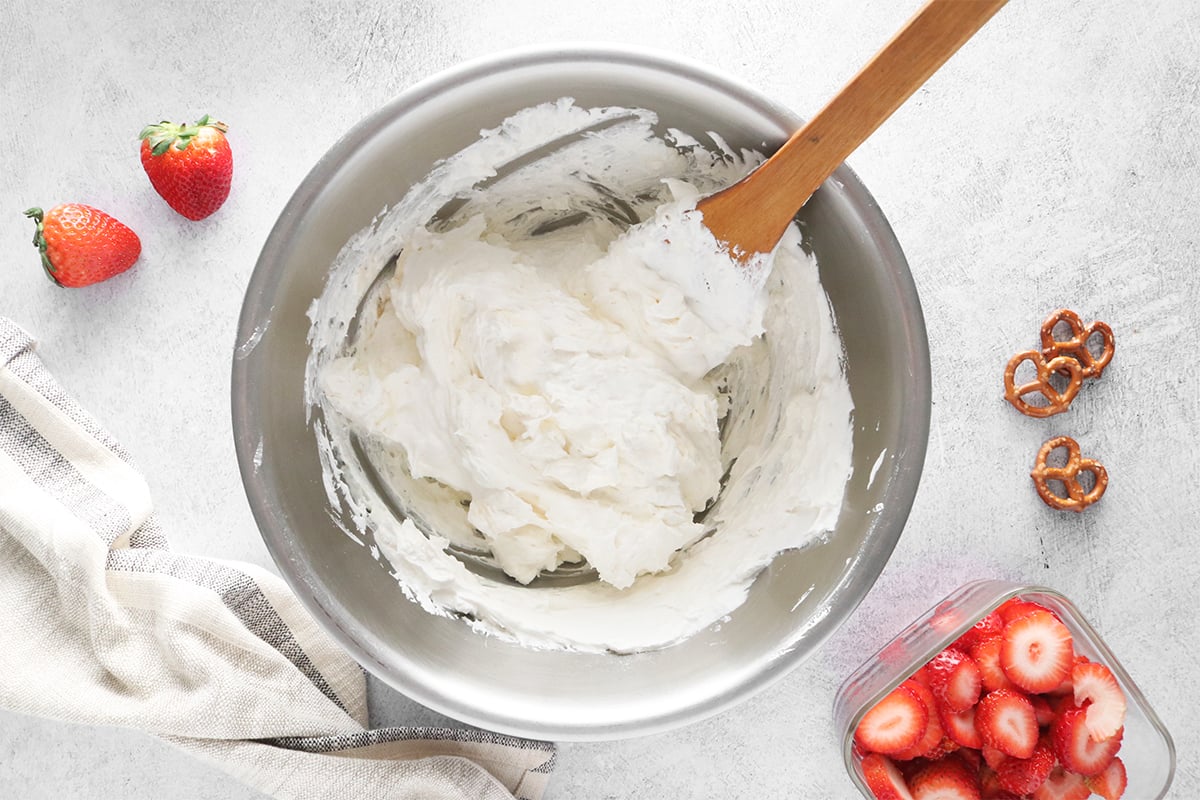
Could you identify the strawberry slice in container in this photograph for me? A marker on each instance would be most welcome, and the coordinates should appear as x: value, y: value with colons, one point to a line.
x: 1042, y: 704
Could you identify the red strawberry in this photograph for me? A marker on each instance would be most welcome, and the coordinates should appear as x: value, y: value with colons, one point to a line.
x: 191, y: 166
x: 1006, y: 721
x: 947, y: 745
x: 1096, y: 690
x: 954, y: 679
x: 972, y: 758
x: 989, y: 627
x: 992, y: 756
x: 1042, y: 709
x: 1076, y: 749
x: 1068, y: 686
x: 81, y: 245
x: 1065, y: 688
x: 948, y: 779
x: 883, y: 779
x: 1109, y: 784
x: 990, y: 788
x: 946, y: 617
x: 987, y: 657
x: 908, y: 768
x: 895, y: 723
x: 1037, y: 651
x: 1015, y: 607
x: 1062, y: 785
x: 960, y: 726
x: 1021, y: 776
x: 1058, y: 703
x: 929, y: 745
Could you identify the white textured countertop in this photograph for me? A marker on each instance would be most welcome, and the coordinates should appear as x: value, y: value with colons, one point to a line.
x: 1054, y: 162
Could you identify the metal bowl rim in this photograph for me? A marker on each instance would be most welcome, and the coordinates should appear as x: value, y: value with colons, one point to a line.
x: 310, y: 589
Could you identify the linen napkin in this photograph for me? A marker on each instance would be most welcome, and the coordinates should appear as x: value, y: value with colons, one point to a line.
x: 105, y: 625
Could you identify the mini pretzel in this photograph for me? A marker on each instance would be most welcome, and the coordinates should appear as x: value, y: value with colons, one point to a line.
x: 1077, y: 499
x: 1056, y: 401
x: 1076, y: 346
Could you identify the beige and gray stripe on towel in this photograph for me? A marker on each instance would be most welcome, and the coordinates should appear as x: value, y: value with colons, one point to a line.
x: 105, y: 625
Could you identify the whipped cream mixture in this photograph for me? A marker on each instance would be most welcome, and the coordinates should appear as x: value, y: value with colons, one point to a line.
x: 564, y: 375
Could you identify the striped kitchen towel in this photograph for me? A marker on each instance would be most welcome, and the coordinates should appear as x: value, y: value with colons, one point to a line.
x: 105, y: 625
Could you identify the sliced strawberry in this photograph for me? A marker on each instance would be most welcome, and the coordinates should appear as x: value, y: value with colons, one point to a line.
x: 948, y: 779
x: 971, y: 758
x: 929, y: 745
x: 1042, y: 710
x: 1062, y: 785
x: 989, y: 627
x: 1037, y: 651
x: 922, y: 692
x: 910, y: 768
x: 1065, y: 688
x: 990, y: 788
x: 954, y: 679
x: 883, y: 779
x: 1015, y: 608
x: 1109, y: 784
x: 1006, y: 721
x: 946, y: 617
x: 960, y: 726
x: 1068, y: 686
x: 947, y: 746
x: 1021, y: 776
x: 1076, y: 749
x: 1097, y: 690
x: 921, y: 676
x: 992, y: 756
x: 1059, y: 703
x: 987, y: 657
x: 895, y: 723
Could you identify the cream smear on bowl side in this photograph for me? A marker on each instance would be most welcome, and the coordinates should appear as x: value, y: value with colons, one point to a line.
x: 563, y: 366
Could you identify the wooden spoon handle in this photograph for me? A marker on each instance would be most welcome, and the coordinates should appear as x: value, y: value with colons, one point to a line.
x: 753, y: 213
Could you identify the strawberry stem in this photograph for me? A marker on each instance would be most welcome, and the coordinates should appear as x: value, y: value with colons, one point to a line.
x: 163, y: 134
x: 39, y: 241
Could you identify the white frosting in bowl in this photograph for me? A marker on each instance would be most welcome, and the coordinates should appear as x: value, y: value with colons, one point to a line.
x: 565, y: 374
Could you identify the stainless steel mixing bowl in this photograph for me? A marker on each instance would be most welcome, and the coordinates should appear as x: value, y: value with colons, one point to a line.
x: 794, y: 605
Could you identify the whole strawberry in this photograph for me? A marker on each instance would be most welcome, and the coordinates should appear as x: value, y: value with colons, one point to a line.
x: 81, y: 245
x: 191, y: 166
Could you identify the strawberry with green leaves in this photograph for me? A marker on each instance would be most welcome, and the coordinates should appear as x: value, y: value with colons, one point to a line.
x: 81, y: 245
x: 191, y: 166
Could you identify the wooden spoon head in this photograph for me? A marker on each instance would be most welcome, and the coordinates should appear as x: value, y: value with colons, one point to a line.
x: 730, y: 215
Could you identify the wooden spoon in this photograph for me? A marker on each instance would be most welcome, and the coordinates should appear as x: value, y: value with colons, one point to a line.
x: 752, y: 215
